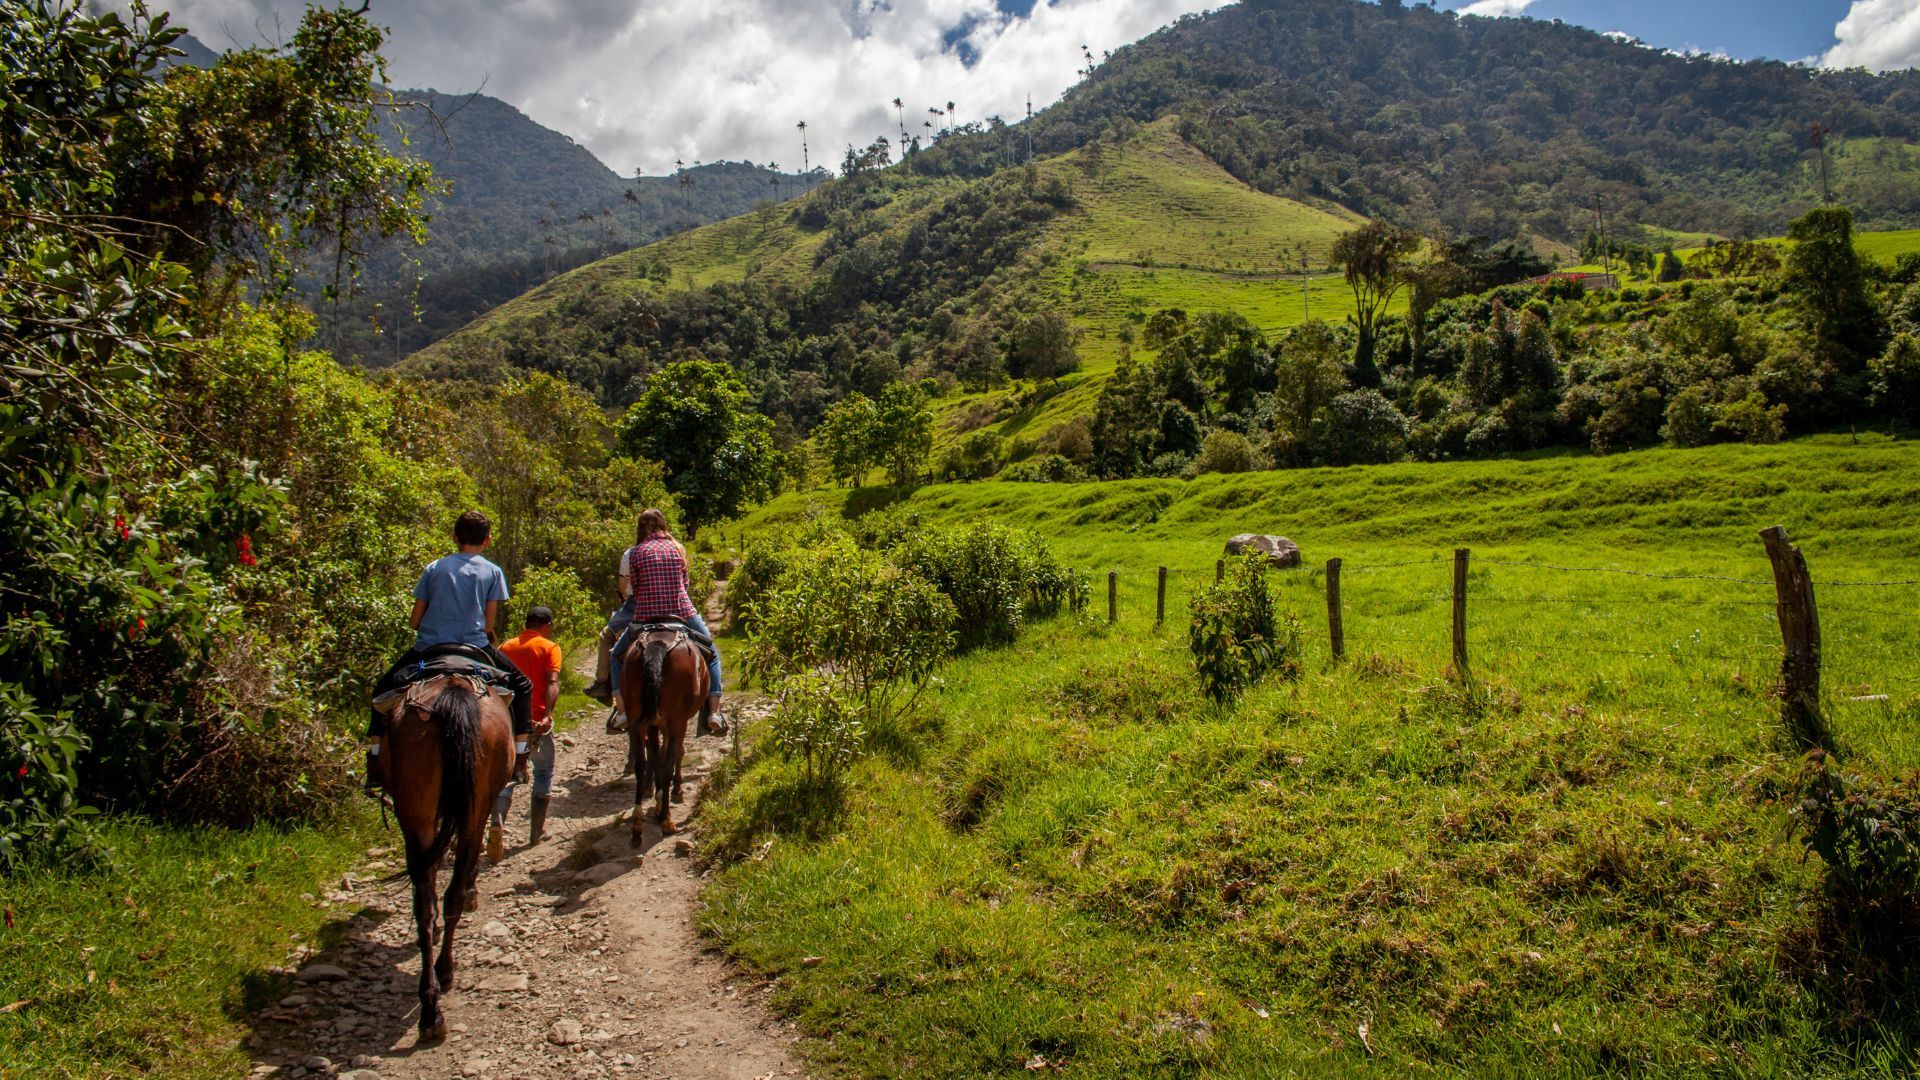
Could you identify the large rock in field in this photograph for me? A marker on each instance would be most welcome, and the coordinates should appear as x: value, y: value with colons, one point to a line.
x: 1279, y: 550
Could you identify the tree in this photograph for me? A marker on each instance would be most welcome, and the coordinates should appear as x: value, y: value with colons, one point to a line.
x: 1375, y: 256
x: 1043, y: 346
x: 846, y: 437
x: 1307, y: 378
x: 696, y: 421
x: 903, y: 430
x: 1825, y: 273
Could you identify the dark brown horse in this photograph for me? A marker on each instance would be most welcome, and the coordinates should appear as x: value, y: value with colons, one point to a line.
x: 663, y: 685
x: 449, y: 752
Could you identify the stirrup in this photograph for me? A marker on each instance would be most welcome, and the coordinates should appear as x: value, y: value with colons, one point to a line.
x: 616, y: 721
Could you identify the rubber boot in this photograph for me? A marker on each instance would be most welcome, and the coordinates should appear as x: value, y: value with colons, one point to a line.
x: 376, y: 780
x: 496, y: 843
x: 537, y: 818
x: 520, y: 773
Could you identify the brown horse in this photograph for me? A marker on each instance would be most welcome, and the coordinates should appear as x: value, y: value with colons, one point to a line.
x: 449, y: 752
x: 663, y: 684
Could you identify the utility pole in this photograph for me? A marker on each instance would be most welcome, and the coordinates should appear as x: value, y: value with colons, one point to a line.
x: 1029, y: 129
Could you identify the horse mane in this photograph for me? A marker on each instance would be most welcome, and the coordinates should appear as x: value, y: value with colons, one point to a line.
x: 457, y: 712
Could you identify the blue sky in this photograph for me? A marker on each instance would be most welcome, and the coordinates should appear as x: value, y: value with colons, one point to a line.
x: 1778, y: 29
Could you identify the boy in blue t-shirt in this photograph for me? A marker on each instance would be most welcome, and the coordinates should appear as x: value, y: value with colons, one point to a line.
x: 455, y: 602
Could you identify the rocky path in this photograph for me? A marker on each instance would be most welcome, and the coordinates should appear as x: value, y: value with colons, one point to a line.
x: 581, y: 962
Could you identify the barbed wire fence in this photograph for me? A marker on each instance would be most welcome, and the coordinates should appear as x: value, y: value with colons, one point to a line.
x: 1776, y: 634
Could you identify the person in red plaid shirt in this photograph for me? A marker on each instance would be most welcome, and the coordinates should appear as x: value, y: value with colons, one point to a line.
x: 653, y: 581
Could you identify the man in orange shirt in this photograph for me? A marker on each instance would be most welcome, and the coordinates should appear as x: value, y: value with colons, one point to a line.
x: 539, y: 658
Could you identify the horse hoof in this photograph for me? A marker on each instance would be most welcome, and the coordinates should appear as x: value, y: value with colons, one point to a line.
x: 433, y: 1032
x: 677, y: 797
x: 636, y: 838
x: 667, y: 827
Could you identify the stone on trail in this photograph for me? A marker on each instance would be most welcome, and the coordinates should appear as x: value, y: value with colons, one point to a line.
x: 314, y: 973
x: 601, y: 873
x: 503, y: 984
x: 564, y: 1032
x: 1280, y: 551
x: 496, y: 929
x: 360, y: 1074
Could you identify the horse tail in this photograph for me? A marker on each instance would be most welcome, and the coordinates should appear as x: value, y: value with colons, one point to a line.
x: 656, y: 660
x: 457, y: 713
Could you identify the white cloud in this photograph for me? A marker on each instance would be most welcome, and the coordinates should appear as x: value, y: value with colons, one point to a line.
x: 1880, y: 35
x: 645, y: 82
x: 1496, y: 9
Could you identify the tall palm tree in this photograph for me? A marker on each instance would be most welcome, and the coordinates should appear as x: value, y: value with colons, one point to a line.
x: 934, y: 111
x: 949, y: 116
x: 806, y: 163
x: 901, y: 108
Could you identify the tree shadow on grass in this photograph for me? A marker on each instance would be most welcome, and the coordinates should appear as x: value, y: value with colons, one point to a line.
x: 1859, y: 961
x: 793, y: 807
x: 864, y: 500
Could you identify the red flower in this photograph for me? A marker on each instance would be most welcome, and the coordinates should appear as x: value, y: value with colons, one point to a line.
x: 120, y: 526
x: 245, y: 544
x: 22, y: 774
x: 139, y: 625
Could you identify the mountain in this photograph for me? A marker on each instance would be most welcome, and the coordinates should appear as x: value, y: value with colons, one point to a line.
x: 1505, y: 127
x: 526, y: 202
x: 1209, y: 168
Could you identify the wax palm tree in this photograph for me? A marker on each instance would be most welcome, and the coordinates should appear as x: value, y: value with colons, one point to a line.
x: 900, y: 107
x: 806, y: 162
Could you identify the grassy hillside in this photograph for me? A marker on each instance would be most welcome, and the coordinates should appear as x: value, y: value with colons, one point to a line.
x: 1582, y: 869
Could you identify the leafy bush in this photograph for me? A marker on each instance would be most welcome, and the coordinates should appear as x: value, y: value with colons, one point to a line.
x: 996, y: 576
x: 1224, y: 452
x: 880, y: 630
x: 576, y: 614
x: 1237, y: 635
x: 814, y: 722
x: 1866, y: 830
x: 1045, y: 469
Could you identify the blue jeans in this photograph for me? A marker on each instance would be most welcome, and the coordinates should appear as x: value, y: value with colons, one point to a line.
x: 541, y: 758
x: 623, y: 619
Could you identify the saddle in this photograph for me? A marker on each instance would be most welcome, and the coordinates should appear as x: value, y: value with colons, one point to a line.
x: 463, y: 661
x: 642, y: 630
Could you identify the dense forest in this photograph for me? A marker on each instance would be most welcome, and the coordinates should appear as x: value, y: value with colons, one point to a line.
x: 1498, y: 127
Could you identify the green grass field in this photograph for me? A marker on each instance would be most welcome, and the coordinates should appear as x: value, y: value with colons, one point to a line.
x: 1581, y: 869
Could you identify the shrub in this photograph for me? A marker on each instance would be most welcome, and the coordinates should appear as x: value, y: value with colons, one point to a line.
x: 1237, y: 635
x: 814, y: 722
x: 882, y: 631
x: 995, y: 577
x: 1866, y: 830
x: 1224, y: 452
x: 576, y: 616
x: 1363, y: 428
x: 1045, y: 469
x: 975, y: 457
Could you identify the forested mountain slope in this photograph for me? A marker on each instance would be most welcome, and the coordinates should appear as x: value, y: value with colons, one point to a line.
x: 525, y: 203
x: 891, y: 274
x: 1502, y: 127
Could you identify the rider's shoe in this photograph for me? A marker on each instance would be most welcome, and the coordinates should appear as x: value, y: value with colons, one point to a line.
x: 601, y: 692
x: 616, y: 721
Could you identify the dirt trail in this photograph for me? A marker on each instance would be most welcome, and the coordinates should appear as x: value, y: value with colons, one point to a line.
x: 581, y: 962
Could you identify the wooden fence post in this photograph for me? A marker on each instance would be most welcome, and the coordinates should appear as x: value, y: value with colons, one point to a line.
x: 1460, y: 614
x: 1336, y: 634
x: 1219, y: 571
x: 1113, y: 596
x: 1160, y: 604
x: 1800, y: 636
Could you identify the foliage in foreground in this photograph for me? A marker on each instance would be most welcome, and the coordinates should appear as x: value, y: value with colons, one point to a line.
x: 1237, y: 635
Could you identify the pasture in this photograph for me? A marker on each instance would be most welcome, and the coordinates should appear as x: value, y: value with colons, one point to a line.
x: 1580, y: 867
